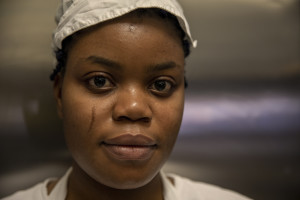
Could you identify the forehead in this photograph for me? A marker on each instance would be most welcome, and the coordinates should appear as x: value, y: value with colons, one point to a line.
x: 138, y: 16
x: 130, y: 37
x: 130, y: 21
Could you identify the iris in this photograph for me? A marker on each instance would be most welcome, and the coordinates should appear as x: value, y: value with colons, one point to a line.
x: 99, y: 81
x: 160, y: 85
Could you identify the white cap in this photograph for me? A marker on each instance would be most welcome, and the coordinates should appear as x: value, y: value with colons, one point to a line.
x: 75, y: 15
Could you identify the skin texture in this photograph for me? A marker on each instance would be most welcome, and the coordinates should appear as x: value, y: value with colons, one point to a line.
x: 131, y: 55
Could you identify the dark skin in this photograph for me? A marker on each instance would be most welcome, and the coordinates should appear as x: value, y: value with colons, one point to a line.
x: 131, y: 84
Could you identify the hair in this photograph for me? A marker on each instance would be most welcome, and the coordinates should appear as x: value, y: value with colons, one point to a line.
x: 61, y: 55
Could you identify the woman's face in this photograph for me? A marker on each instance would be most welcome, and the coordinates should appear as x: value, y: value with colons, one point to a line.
x: 121, y: 99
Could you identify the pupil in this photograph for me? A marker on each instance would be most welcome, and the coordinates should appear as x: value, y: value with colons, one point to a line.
x: 99, y: 81
x: 160, y: 85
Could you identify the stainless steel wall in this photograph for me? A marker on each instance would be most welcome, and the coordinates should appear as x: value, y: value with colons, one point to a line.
x: 241, y: 127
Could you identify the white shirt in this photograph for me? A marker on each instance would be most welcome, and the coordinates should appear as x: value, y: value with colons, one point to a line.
x: 182, y: 189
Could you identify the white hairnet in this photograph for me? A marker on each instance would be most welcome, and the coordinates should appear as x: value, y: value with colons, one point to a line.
x: 74, y: 15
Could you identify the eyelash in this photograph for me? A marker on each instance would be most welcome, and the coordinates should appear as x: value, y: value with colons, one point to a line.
x: 170, y: 85
x: 109, y: 84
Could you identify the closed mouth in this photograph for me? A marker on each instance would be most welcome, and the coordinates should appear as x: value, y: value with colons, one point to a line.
x: 130, y: 147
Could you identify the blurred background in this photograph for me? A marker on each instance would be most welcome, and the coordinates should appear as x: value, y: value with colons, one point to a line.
x: 241, y: 127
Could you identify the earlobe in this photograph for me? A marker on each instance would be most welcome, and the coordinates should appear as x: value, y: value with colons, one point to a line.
x: 57, y: 90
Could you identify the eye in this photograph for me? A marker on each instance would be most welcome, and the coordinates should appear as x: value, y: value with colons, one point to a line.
x: 100, y: 82
x: 162, y: 87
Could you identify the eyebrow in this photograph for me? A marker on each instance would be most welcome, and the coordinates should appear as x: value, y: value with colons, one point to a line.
x: 103, y: 61
x: 162, y: 66
x: 150, y: 69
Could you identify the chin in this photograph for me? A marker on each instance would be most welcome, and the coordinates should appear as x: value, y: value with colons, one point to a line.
x: 129, y: 180
x: 131, y: 184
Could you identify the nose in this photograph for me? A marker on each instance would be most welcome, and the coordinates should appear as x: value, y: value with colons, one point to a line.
x: 132, y: 105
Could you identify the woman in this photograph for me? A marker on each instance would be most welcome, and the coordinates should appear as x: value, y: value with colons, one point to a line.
x: 119, y: 87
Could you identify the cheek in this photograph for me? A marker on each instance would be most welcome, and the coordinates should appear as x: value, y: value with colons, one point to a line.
x: 79, y: 115
x: 76, y: 109
x: 169, y: 117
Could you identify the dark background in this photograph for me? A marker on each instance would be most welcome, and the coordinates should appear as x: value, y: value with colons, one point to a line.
x: 241, y: 127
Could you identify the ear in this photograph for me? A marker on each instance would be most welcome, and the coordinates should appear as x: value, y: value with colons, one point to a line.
x: 57, y: 89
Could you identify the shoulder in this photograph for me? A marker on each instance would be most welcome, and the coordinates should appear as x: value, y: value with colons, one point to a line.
x: 192, y: 190
x: 37, y: 192
x: 58, y: 188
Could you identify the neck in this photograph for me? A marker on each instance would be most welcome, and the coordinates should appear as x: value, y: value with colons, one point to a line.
x: 82, y: 187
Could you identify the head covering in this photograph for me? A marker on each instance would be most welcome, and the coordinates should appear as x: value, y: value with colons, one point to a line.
x: 75, y: 15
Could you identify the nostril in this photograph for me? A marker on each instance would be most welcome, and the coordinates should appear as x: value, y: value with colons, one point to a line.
x: 146, y: 119
x: 123, y: 118
x: 142, y: 119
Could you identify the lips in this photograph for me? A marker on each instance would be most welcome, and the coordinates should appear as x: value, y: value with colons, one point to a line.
x: 129, y: 147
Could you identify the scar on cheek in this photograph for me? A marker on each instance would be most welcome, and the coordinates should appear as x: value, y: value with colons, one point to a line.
x: 92, y: 118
